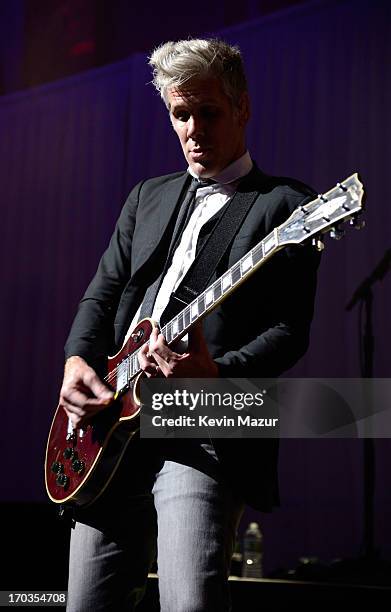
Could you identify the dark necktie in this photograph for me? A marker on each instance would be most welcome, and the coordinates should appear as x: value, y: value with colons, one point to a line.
x: 185, y: 212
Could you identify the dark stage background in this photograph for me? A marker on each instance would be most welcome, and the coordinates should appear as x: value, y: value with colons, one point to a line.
x: 71, y: 150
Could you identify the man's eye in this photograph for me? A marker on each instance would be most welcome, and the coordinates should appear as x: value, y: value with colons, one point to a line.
x: 209, y: 112
x: 182, y: 116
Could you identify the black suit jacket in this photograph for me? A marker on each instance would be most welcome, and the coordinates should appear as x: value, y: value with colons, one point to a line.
x: 260, y: 331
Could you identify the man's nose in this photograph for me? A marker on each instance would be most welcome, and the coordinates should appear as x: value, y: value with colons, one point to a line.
x: 195, y: 127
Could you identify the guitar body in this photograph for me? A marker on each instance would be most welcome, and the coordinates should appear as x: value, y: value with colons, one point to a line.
x: 80, y: 464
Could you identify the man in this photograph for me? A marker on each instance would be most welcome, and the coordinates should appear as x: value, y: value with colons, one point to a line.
x: 194, y: 492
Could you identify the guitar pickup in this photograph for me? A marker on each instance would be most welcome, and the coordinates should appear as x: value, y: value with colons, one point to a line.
x: 122, y: 375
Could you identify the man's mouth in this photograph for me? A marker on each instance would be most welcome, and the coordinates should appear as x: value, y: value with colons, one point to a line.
x: 199, y: 152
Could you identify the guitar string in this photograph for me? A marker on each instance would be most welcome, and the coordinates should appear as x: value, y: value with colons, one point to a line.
x: 186, y: 311
x: 255, y: 251
x: 259, y: 248
x: 112, y: 375
x: 235, y: 268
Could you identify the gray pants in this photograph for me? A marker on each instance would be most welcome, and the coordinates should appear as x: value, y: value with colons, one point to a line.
x: 192, y: 515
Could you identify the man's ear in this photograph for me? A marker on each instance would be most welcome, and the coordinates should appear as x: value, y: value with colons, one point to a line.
x: 244, y: 110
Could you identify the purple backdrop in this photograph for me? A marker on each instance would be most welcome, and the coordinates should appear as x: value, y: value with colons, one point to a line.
x: 70, y: 152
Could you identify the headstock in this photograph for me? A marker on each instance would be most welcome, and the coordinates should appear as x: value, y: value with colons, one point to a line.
x: 325, y: 213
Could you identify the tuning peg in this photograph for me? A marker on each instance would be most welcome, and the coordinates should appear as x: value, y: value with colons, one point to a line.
x: 318, y: 244
x: 341, y: 186
x: 357, y: 223
x: 336, y: 234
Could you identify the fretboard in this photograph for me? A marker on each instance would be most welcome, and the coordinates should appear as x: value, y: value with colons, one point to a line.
x: 204, y: 303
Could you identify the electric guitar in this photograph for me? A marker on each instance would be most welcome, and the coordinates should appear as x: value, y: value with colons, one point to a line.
x: 80, y: 463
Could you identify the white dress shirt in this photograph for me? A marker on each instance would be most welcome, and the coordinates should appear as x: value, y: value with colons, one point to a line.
x: 209, y: 200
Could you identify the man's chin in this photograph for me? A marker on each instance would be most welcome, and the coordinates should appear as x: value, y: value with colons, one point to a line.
x: 203, y: 169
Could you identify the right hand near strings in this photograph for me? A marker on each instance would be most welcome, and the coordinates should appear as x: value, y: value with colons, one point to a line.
x: 82, y: 394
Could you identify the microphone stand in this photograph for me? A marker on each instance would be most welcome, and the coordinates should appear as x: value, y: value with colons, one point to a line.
x: 364, y: 296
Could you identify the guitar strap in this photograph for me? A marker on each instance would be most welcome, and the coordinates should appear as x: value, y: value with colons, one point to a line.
x: 184, y: 215
x: 201, y: 271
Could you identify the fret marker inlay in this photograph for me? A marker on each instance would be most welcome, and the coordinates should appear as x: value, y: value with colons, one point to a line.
x: 226, y: 281
x: 269, y: 243
x: 194, y: 310
x: 247, y: 263
x: 209, y: 297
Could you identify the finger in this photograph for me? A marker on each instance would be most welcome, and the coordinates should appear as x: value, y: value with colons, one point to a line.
x: 145, y: 355
x: 153, y: 371
x: 144, y: 349
x: 170, y: 368
x: 142, y: 357
x: 162, y: 365
x: 160, y: 348
x: 147, y: 364
x: 77, y: 422
x: 73, y: 411
x: 152, y: 339
x: 92, y: 381
x: 156, y: 339
x: 73, y: 397
x: 81, y: 416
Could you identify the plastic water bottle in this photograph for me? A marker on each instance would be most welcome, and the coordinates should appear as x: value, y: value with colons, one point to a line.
x: 252, y: 552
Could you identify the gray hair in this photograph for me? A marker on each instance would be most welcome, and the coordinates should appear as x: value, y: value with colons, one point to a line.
x: 175, y: 63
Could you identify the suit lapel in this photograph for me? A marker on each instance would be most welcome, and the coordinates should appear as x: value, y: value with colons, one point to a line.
x: 170, y: 197
x: 153, y: 232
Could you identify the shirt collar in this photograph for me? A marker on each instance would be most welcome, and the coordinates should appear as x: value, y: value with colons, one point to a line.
x: 233, y: 172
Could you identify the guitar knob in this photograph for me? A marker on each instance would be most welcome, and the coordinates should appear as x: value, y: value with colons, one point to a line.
x: 341, y: 186
x: 68, y: 453
x: 57, y: 467
x: 62, y: 480
x: 78, y: 466
x: 138, y: 335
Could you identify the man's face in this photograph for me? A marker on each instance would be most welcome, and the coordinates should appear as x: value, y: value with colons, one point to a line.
x: 210, y: 129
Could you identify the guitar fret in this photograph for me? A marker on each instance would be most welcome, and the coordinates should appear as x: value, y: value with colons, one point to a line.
x: 257, y: 254
x: 180, y: 322
x: 246, y: 263
x: 269, y: 243
x: 174, y: 327
x: 236, y: 274
x: 226, y: 281
x: 169, y: 333
x: 194, y: 309
x: 187, y: 316
x: 209, y: 297
x: 217, y: 292
x: 201, y: 304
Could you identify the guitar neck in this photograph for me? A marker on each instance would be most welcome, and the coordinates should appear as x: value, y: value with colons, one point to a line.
x: 325, y: 213
x: 209, y: 299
